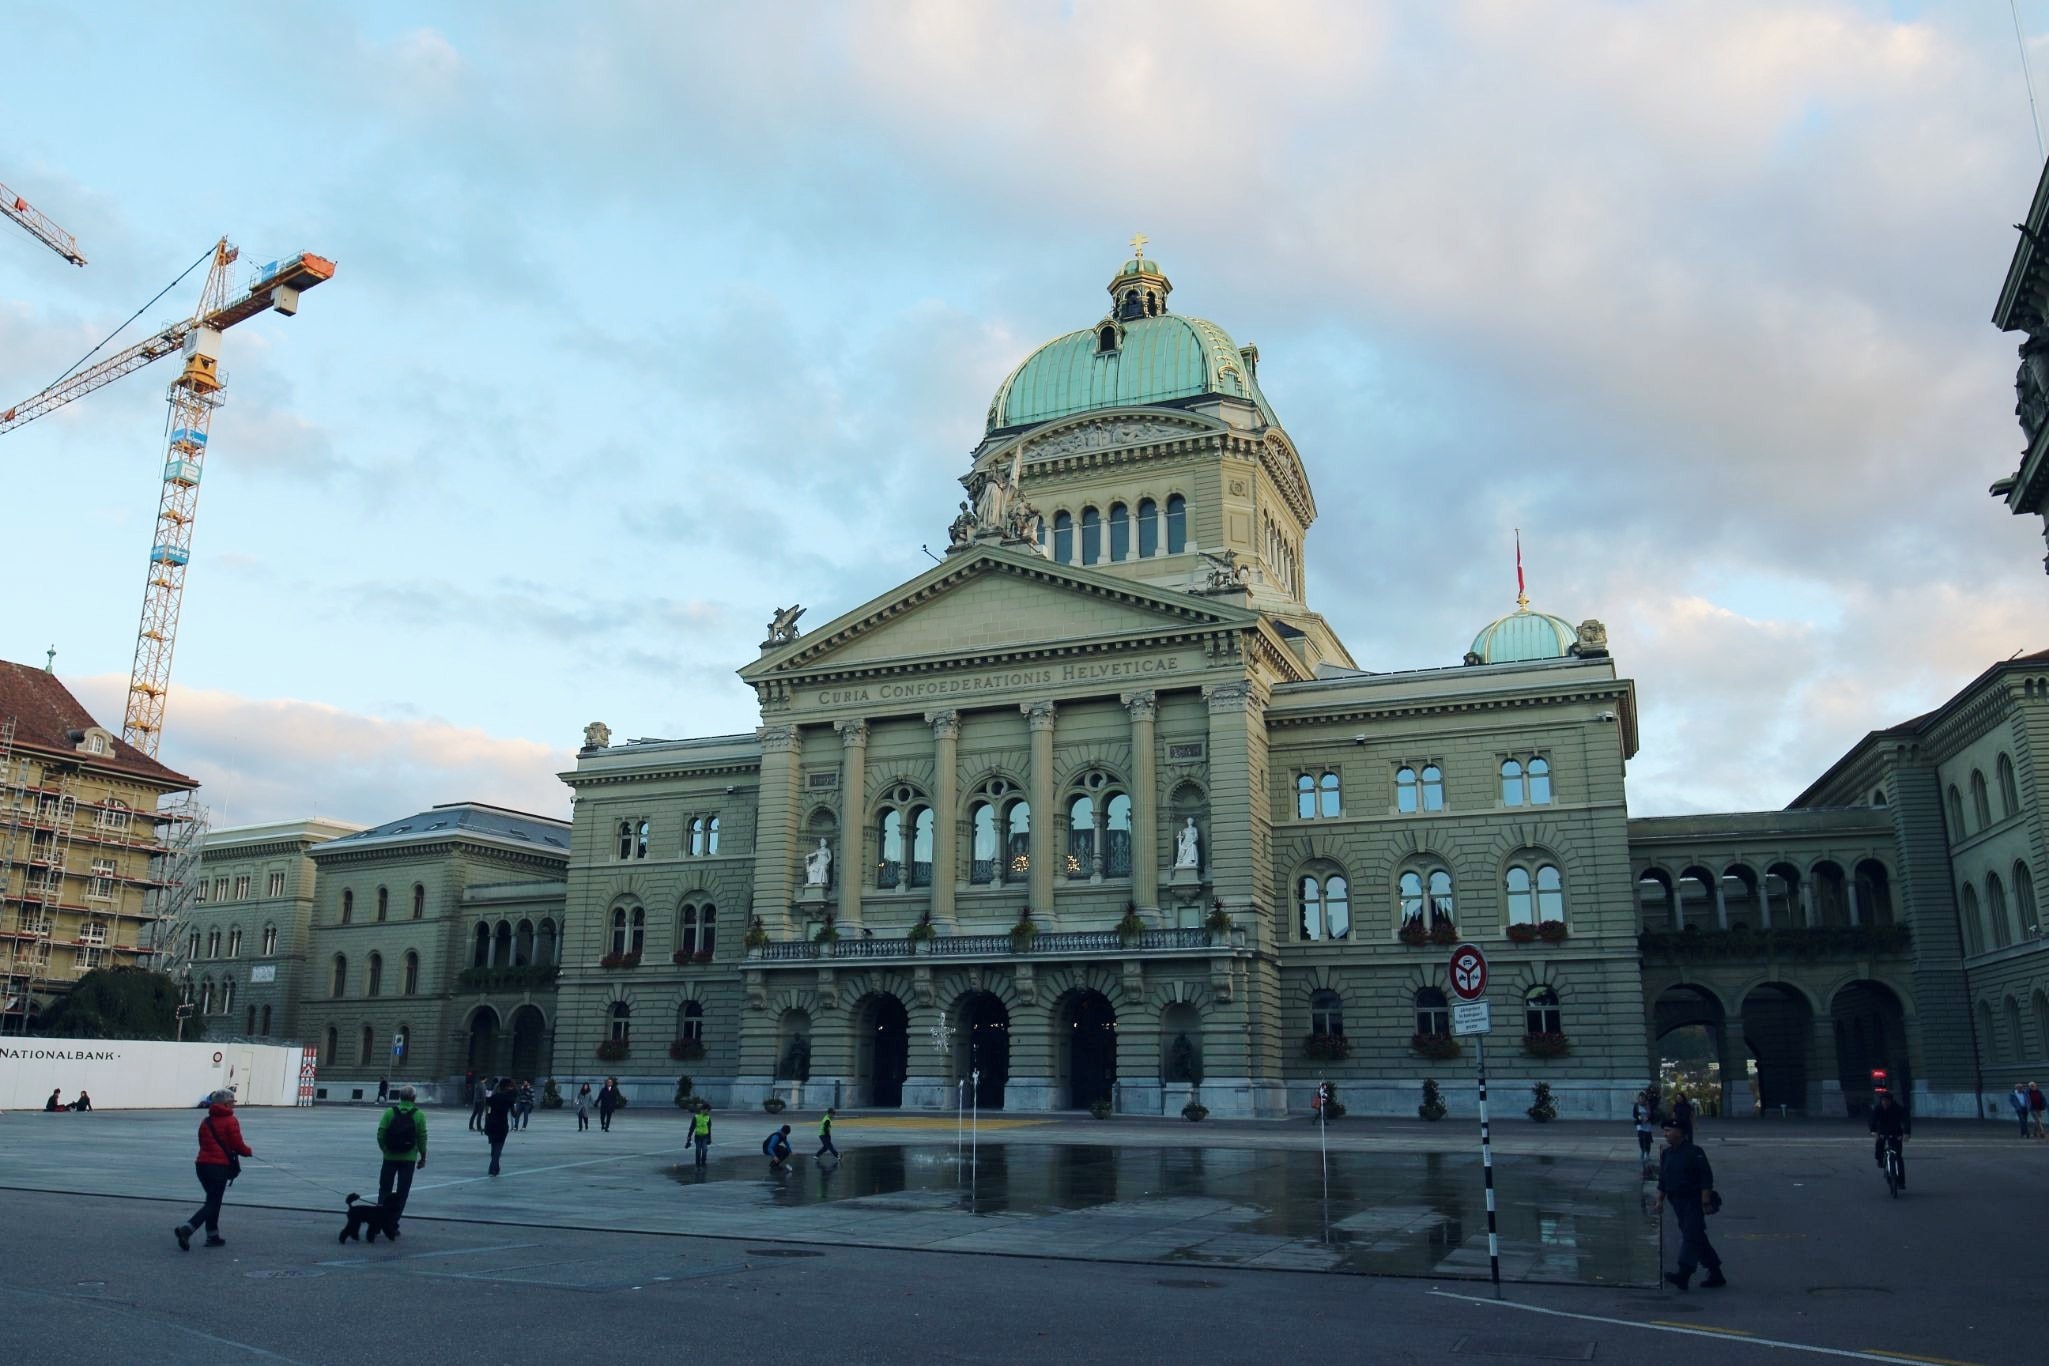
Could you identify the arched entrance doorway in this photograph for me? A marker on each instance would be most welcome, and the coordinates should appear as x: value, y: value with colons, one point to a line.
x: 982, y: 1043
x: 1691, y: 1029
x: 1090, y: 1024
x: 1871, y: 1033
x: 1778, y: 1026
x: 529, y: 1030
x: 482, y: 1057
x: 882, y: 1050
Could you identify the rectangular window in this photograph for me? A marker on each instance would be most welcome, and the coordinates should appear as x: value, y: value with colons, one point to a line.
x: 275, y: 885
x: 101, y: 885
x: 242, y: 887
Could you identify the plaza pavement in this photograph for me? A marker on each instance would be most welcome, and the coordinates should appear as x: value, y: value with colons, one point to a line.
x: 841, y: 1267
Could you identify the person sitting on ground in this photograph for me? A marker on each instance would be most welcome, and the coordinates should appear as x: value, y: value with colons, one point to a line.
x: 84, y: 1102
x: 776, y: 1148
x: 53, y: 1105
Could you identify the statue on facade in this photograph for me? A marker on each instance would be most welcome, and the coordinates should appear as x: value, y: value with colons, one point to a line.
x: 1188, y: 846
x: 817, y: 865
x: 597, y: 735
x: 1593, y: 638
x: 1225, y: 573
x: 962, y: 529
x: 1024, y: 523
x: 782, y: 627
x: 995, y: 495
x: 2031, y: 384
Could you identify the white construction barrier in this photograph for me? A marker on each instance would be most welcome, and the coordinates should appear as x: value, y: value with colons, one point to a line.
x: 136, y: 1074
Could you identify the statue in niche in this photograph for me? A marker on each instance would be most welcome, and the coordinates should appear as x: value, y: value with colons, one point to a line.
x: 597, y: 735
x: 782, y: 627
x: 1188, y: 846
x: 817, y: 865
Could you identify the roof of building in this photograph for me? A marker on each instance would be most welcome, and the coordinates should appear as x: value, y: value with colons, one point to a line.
x: 477, y: 820
x: 1162, y: 358
x: 1521, y: 636
x: 47, y: 717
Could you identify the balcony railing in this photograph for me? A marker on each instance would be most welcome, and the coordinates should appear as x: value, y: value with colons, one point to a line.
x: 1781, y: 941
x: 1041, y: 945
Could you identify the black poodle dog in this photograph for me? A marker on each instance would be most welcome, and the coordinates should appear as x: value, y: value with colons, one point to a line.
x: 363, y: 1218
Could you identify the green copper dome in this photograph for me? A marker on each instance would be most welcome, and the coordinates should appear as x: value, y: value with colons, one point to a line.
x: 1138, y: 354
x: 1521, y: 636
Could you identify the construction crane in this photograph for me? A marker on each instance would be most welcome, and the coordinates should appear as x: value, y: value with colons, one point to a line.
x: 193, y: 397
x: 38, y: 223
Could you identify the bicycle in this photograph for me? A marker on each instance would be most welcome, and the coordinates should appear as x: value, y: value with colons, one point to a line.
x: 1895, y: 1163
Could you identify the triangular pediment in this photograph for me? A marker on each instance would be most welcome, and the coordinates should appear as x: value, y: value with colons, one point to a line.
x: 992, y: 602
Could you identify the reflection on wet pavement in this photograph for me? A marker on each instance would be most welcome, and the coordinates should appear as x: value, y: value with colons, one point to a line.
x: 1573, y: 1220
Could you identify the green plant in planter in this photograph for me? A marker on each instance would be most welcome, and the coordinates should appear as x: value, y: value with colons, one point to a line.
x: 1552, y: 932
x: 1100, y: 1110
x: 613, y: 1050
x: 1545, y: 1109
x: 1433, y: 1102
x: 1522, y: 934
x: 1412, y: 932
x: 1195, y: 1112
x: 1218, y: 921
x: 1443, y: 931
x: 551, y: 1095
x: 1546, y: 1045
x: 1435, y: 1046
x: 774, y: 1105
x: 922, y: 932
x: 756, y: 936
x: 686, y: 1050
x: 684, y: 1086
x: 1130, y: 927
x: 1023, y: 932
x: 828, y: 933
x: 1326, y: 1047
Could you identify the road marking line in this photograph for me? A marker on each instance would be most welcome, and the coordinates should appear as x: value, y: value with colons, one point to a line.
x: 1902, y: 1356
x: 1695, y: 1332
x: 1703, y: 1327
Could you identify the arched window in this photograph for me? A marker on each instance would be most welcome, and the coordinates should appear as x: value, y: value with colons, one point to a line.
x: 235, y: 942
x: 1981, y: 806
x: 2024, y: 902
x: 269, y: 940
x: 696, y: 828
x: 1433, y: 1014
x: 1148, y: 528
x: 982, y: 842
x: 1440, y: 898
x: 1063, y: 538
x: 640, y: 836
x: 625, y: 839
x: 410, y: 986
x: 1177, y: 524
x: 1539, y: 770
x: 1411, y: 898
x: 1323, y: 905
x: 1106, y: 340
x: 213, y: 942
x: 332, y: 1056
x: 2009, y: 794
x: 1081, y: 837
x: 1512, y: 787
x: 695, y: 931
x: 639, y: 940
x: 1091, y: 535
x: 383, y: 904
x: 1117, y: 836
x: 192, y: 945
x: 690, y: 1023
x: 1330, y: 802
x: 547, y: 950
x: 501, y: 945
x: 376, y: 983
x: 1327, y: 1014
x: 1520, y: 890
x: 1305, y: 796
x: 1550, y: 895
x: 1956, y: 814
x: 711, y: 835
x: 228, y: 996
x: 266, y: 1020
x: 1540, y: 1012
x: 619, y: 931
x: 889, y: 867
x: 113, y: 815
x: 1995, y: 911
x: 206, y: 997
x: 1120, y: 532
x: 1406, y: 795
x: 348, y: 911
x: 621, y: 1022
x: 340, y: 985
x: 1433, y: 788
x: 1974, y: 929
x: 523, y: 944
x: 250, y: 1027
x: 1017, y: 851
x: 369, y: 1047
x: 922, y: 826
x: 480, y: 954
x: 419, y: 902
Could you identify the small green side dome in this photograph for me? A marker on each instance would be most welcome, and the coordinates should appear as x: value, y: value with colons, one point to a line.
x: 1521, y: 636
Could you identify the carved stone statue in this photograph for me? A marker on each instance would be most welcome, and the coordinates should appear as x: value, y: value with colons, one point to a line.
x: 817, y: 865
x: 782, y: 627
x: 995, y: 495
x: 1593, y: 638
x: 597, y: 735
x: 1188, y: 846
x: 1225, y: 573
x: 2031, y: 385
x: 1024, y: 523
x: 962, y: 528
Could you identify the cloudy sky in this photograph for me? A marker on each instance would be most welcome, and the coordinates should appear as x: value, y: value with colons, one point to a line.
x: 650, y: 318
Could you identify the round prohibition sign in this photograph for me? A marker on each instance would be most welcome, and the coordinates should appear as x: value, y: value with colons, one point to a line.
x: 1468, y: 973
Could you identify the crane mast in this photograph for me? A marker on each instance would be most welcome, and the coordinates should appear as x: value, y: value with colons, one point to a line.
x: 40, y: 226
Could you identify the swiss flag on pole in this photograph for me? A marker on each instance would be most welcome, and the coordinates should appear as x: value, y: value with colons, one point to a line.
x: 1520, y: 591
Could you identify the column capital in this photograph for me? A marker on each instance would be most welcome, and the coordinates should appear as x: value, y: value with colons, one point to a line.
x: 1143, y: 706
x: 852, y: 733
x: 776, y: 738
x: 945, y: 724
x: 1238, y: 695
x: 1039, y: 713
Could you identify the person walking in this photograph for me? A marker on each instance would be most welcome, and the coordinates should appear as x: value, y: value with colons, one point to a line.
x: 700, y: 1133
x: 2036, y: 1105
x: 480, y: 1096
x: 498, y: 1120
x: 608, y: 1101
x: 776, y: 1148
x: 583, y: 1107
x: 1682, y: 1111
x: 221, y: 1151
x: 2018, y: 1099
x: 1645, y: 1117
x: 402, y: 1139
x: 825, y: 1134
x: 383, y: 1090
x: 1686, y: 1179
x: 526, y: 1103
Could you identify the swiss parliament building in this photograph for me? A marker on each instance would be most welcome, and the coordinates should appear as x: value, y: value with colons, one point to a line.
x: 1100, y: 809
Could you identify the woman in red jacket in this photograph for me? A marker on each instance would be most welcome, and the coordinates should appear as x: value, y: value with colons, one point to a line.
x: 220, y: 1148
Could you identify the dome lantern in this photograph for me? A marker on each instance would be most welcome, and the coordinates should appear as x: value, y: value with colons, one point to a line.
x: 1141, y: 287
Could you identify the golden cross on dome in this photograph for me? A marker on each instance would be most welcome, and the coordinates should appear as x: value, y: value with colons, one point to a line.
x: 1138, y: 241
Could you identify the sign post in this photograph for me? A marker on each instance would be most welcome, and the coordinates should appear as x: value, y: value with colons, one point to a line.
x: 1472, y: 1015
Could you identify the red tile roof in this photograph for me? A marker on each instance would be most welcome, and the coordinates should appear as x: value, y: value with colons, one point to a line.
x: 47, y: 717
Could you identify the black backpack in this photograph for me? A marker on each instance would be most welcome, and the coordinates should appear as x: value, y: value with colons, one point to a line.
x: 401, y: 1133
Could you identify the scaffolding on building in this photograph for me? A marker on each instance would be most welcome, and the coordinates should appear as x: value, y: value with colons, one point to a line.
x: 37, y: 815
x: 174, y: 877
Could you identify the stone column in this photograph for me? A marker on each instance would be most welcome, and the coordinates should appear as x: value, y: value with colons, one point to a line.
x: 1721, y: 907
x: 1145, y: 858
x: 1850, y: 889
x: 776, y: 818
x: 945, y: 819
x: 853, y: 819
x: 1044, y: 828
x: 1236, y: 860
x: 1806, y: 902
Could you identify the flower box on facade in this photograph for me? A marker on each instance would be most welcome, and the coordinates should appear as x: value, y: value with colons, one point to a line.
x: 1326, y: 1047
x: 530, y: 978
x: 1552, y: 932
x: 686, y: 1050
x: 1412, y: 933
x: 1444, y: 932
x: 613, y: 1050
x: 1434, y: 1046
x: 1546, y: 1045
x: 1694, y: 944
x: 620, y: 960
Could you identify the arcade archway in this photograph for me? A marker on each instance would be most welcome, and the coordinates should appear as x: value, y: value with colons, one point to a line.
x: 1087, y: 1038
x: 882, y: 1050
x: 981, y: 1043
x: 529, y: 1034
x: 482, y: 1057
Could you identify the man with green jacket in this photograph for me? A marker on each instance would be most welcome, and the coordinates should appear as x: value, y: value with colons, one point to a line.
x: 700, y: 1131
x: 402, y: 1139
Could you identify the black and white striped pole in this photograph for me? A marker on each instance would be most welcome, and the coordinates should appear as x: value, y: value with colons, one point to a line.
x: 1487, y: 1167
x: 1468, y: 969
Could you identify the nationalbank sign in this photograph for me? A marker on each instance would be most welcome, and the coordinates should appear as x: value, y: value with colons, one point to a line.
x: 58, y: 1054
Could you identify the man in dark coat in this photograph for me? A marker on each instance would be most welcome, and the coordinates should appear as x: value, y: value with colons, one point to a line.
x: 498, y: 1120
x: 608, y: 1100
x: 1686, y: 1179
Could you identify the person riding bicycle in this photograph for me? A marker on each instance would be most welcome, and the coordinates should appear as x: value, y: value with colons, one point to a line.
x: 1890, y: 1123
